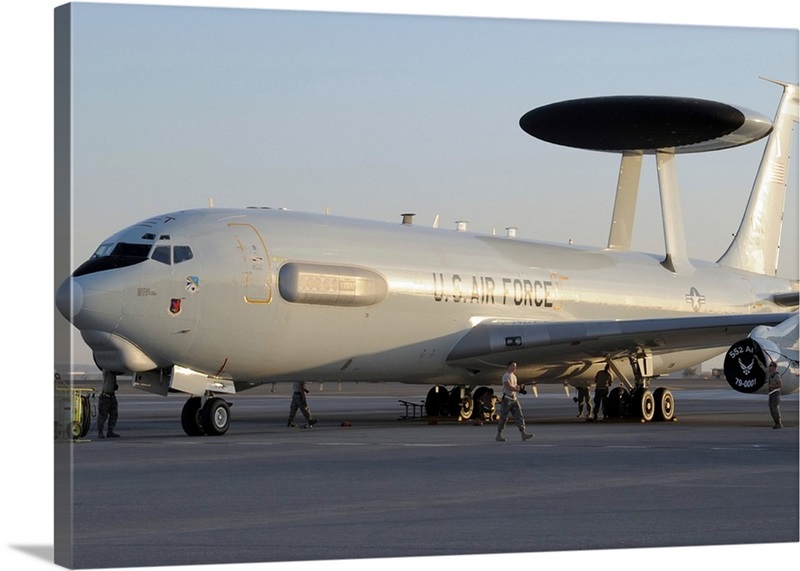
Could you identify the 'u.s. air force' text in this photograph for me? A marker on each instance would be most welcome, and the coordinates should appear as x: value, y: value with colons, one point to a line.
x: 498, y: 291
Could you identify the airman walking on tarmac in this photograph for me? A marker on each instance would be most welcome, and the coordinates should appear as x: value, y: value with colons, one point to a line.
x: 602, y: 381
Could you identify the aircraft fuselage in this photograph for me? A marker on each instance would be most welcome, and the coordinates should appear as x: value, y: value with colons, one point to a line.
x: 260, y: 295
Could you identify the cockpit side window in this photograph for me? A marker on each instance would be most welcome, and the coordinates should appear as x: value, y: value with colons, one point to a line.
x: 103, y: 250
x: 182, y: 253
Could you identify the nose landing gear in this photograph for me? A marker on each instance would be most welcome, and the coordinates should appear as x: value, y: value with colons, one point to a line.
x: 212, y: 418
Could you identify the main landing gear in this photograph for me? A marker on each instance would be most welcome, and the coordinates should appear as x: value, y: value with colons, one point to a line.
x: 461, y: 402
x: 632, y: 400
x: 641, y: 403
x: 635, y: 400
x: 211, y: 418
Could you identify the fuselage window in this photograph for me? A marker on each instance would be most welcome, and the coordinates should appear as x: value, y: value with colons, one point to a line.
x: 162, y: 254
x: 182, y: 253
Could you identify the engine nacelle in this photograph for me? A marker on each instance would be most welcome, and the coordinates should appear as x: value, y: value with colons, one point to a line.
x: 746, y: 361
x: 746, y: 366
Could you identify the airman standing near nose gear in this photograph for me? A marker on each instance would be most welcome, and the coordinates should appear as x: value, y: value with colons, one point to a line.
x: 509, y: 406
x: 108, y: 408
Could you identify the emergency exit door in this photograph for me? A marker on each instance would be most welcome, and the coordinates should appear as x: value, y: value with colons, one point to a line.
x: 253, y: 258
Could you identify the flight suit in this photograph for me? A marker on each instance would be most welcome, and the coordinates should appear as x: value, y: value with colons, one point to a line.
x: 299, y: 403
x: 584, y: 399
x: 509, y: 406
x: 774, y: 388
x: 108, y: 408
x: 602, y: 381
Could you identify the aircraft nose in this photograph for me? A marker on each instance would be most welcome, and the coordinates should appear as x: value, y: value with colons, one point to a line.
x: 69, y: 298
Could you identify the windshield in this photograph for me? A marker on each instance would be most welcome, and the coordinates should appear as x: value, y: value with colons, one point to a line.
x: 111, y: 256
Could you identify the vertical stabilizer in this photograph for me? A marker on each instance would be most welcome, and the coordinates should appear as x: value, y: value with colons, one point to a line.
x: 755, y: 247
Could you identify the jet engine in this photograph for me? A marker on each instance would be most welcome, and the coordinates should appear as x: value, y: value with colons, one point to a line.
x: 746, y: 361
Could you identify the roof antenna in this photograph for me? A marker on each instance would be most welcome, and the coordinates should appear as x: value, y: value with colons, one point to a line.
x: 211, y: 202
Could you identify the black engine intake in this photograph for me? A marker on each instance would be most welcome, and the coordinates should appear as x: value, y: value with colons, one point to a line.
x: 746, y: 366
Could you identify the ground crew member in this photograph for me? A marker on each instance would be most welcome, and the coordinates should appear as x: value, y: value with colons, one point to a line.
x: 299, y: 403
x: 582, y: 399
x: 774, y: 387
x: 602, y: 381
x: 108, y: 409
x: 509, y: 405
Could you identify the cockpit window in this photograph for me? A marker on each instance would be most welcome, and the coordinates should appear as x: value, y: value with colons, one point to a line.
x: 111, y: 256
x: 162, y: 254
x: 176, y: 256
x: 131, y: 250
x: 103, y: 250
x: 182, y: 253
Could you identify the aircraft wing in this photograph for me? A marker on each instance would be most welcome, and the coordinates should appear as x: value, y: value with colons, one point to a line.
x: 568, y: 342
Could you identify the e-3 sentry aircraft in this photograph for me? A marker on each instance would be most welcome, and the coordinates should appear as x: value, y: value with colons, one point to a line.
x: 210, y: 302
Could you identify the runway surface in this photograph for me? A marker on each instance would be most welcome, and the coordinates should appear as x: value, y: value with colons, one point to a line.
x: 385, y: 487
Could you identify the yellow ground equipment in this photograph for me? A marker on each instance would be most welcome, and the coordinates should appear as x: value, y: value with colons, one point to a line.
x: 74, y: 410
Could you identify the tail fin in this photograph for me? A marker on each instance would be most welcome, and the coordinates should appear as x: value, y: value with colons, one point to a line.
x: 755, y: 247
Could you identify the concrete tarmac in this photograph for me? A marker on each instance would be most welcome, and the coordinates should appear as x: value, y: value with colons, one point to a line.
x: 385, y: 487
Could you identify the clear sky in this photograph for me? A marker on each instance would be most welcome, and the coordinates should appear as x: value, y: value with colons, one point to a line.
x: 374, y: 115
x: 367, y: 116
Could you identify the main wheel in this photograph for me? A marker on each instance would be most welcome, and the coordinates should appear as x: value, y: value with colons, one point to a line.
x: 616, y: 403
x: 436, y: 401
x: 190, y: 417
x: 461, y: 406
x: 483, y: 403
x: 646, y: 405
x: 466, y: 407
x: 215, y: 417
x: 665, y: 404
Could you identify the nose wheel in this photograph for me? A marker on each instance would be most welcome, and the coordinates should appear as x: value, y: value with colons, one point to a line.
x: 215, y: 416
x: 212, y: 418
